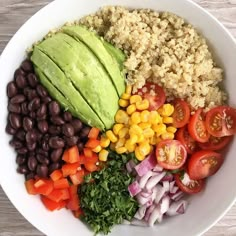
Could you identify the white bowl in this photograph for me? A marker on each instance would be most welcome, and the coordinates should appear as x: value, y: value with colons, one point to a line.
x: 205, y: 208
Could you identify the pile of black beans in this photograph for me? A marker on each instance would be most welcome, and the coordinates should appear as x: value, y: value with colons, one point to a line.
x: 41, y: 129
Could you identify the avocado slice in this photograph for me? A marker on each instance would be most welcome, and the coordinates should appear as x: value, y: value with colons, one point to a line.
x: 65, y: 86
x: 86, y: 73
x: 95, y: 44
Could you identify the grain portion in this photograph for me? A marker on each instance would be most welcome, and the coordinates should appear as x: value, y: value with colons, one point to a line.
x: 163, y: 48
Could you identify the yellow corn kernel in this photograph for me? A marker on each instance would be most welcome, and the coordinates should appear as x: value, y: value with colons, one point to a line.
x: 125, y: 96
x: 128, y: 89
x: 130, y: 146
x: 103, y: 154
x: 104, y: 142
x: 135, y: 129
x: 131, y: 109
x: 141, y: 138
x: 154, y: 117
x: 123, y: 103
x: 135, y: 118
x: 167, y: 135
x: 168, y: 120
x: 158, y: 139
x: 121, y: 117
x: 144, y: 148
x: 159, y: 129
x: 166, y: 110
x: 121, y: 150
x: 138, y: 154
x: 123, y: 132
x: 111, y: 136
x: 117, y: 128
x: 153, y: 140
x: 144, y: 125
x: 144, y: 116
x: 148, y: 133
x: 120, y: 142
x: 143, y: 105
x: 133, y: 138
x: 97, y: 149
x: 171, y: 129
x: 135, y: 98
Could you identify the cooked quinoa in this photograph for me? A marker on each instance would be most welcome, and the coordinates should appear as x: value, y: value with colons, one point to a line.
x: 163, y: 48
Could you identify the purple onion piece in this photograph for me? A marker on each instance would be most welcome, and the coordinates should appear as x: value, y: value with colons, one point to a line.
x: 134, y: 189
x: 154, y: 180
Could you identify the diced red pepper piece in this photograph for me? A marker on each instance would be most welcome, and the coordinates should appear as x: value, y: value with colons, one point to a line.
x: 82, y: 159
x: 70, y: 169
x: 56, y: 174
x: 91, y: 163
x: 56, y: 195
x: 62, y: 205
x: 65, y: 156
x: 73, y: 202
x: 71, y: 155
x: 51, y: 205
x: 29, y: 185
x: 65, y: 194
x: 78, y: 213
x: 92, y: 143
x: 61, y: 183
x: 93, y: 133
x: 44, y: 186
x: 77, y: 178
x: 88, y: 152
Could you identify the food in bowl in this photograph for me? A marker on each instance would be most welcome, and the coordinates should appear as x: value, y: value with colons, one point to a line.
x: 112, y: 148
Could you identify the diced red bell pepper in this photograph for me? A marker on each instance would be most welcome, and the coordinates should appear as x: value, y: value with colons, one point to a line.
x: 82, y: 159
x: 62, y: 205
x: 91, y: 163
x: 88, y: 152
x: 70, y: 169
x: 65, y: 156
x: 78, y: 213
x: 61, y: 184
x: 56, y: 174
x: 92, y: 143
x: 73, y: 202
x: 51, y: 205
x: 93, y: 133
x: 71, y: 155
x: 43, y: 186
x: 56, y: 195
x: 77, y: 178
x: 29, y: 185
x: 65, y: 194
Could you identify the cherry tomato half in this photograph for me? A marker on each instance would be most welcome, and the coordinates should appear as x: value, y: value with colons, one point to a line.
x: 197, y: 127
x: 171, y: 154
x: 185, y: 138
x: 188, y: 185
x: 154, y: 94
x: 221, y: 121
x: 203, y: 164
x: 216, y: 143
x: 181, y: 113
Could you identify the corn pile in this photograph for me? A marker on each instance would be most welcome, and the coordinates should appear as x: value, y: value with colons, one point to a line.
x: 137, y: 129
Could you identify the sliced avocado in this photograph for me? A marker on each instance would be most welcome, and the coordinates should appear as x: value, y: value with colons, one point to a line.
x: 86, y: 72
x: 65, y: 86
x: 95, y: 44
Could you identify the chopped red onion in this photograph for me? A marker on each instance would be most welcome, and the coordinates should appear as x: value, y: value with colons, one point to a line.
x: 166, y: 186
x: 149, y: 212
x: 140, y: 212
x: 142, y: 200
x: 161, y: 192
x: 158, y: 168
x: 146, y: 193
x: 154, y: 192
x: 167, y: 177
x: 154, y: 180
x: 126, y: 222
x: 165, y: 204
x: 138, y: 223
x: 156, y: 214
x: 143, y: 180
x: 177, y: 196
x: 134, y: 188
x: 177, y: 208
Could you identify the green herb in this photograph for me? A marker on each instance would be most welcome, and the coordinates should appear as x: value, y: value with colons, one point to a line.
x: 105, y: 200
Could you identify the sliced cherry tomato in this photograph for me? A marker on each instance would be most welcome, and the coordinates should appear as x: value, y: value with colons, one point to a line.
x: 93, y: 133
x: 188, y: 185
x: 171, y: 154
x: 154, y: 94
x: 61, y: 183
x: 185, y: 138
x: 197, y: 127
x: 216, y: 143
x: 204, y: 163
x: 221, y: 121
x: 181, y: 113
x: 29, y: 185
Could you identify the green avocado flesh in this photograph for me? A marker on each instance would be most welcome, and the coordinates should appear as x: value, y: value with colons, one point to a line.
x: 78, y: 78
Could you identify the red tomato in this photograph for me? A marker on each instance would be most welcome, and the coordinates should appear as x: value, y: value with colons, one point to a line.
x: 171, y: 154
x: 181, y: 113
x: 197, y: 127
x: 185, y: 138
x: 216, y: 143
x: 188, y: 185
x: 203, y: 164
x: 221, y: 121
x: 154, y: 94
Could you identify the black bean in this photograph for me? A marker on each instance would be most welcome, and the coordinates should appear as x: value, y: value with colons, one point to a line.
x: 56, y: 155
x: 71, y: 141
x: 42, y: 159
x: 80, y: 146
x: 27, y: 66
x: 54, y: 130
x: 32, y: 114
x: 32, y: 80
x: 28, y: 123
x: 10, y: 130
x: 84, y: 132
x: 34, y: 104
x: 68, y: 130
x: 31, y: 136
x: 32, y: 94
x: 14, y: 108
x: 21, y: 159
x: 54, y: 108
x: 23, y: 169
x: 31, y: 146
x: 57, y: 120
x: 42, y: 171
x: 15, y: 120
x: 32, y: 163
x: 56, y: 142
x: 42, y: 111
x: 42, y: 92
x: 77, y: 124
x: 46, y: 100
x: 19, y: 98
x: 54, y: 166
x: 19, y: 72
x: 29, y: 176
x: 43, y: 126
x: 16, y: 143
x: 67, y: 116
x: 45, y: 145
x: 22, y: 150
x: 24, y: 108
x: 42, y: 152
x: 11, y: 89
x: 21, y: 81
x: 20, y: 134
